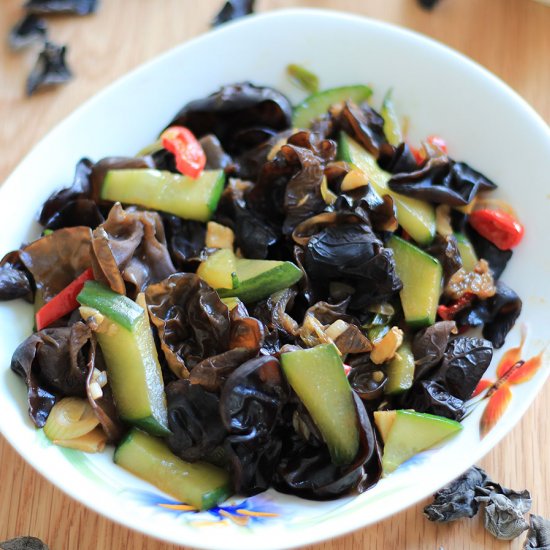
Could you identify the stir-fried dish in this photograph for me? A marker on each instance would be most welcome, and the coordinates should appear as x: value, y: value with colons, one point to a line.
x: 266, y: 296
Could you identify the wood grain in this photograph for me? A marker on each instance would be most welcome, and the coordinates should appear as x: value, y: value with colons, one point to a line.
x: 509, y: 37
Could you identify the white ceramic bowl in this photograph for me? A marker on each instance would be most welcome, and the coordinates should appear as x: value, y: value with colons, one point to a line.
x: 485, y: 123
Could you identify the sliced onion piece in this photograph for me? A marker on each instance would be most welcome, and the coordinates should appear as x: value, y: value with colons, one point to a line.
x: 70, y: 418
x: 92, y: 442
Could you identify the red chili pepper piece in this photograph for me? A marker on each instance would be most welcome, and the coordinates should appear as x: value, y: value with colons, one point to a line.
x: 439, y: 142
x: 63, y: 303
x: 447, y: 313
x: 190, y: 157
x: 497, y: 226
x: 435, y: 141
x: 418, y: 155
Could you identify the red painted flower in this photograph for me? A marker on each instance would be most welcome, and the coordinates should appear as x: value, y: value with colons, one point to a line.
x: 511, y: 371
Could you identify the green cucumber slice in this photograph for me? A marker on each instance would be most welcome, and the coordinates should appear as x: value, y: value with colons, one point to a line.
x: 133, y: 369
x: 258, y: 279
x: 118, y: 308
x: 188, y: 198
x: 199, y: 484
x: 421, y: 275
x: 220, y: 269
x: 467, y: 252
x: 318, y: 104
x: 317, y: 376
x: 392, y: 127
x: 400, y: 371
x: 407, y: 433
x: 248, y: 280
x: 415, y: 216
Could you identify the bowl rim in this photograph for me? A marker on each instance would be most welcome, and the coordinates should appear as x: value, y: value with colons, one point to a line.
x: 354, y: 521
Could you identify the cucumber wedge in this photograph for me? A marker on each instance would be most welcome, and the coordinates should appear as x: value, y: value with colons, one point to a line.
x: 188, y: 198
x: 400, y: 370
x: 318, y: 378
x: 384, y: 421
x: 467, y: 252
x: 421, y: 275
x: 120, y: 309
x: 318, y: 104
x: 392, y: 127
x: 199, y: 484
x: 415, y: 216
x: 258, y: 279
x: 219, y: 270
x: 133, y: 370
x: 248, y: 280
x: 407, y: 433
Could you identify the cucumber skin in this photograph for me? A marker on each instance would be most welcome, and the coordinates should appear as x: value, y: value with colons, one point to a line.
x: 428, y: 319
x: 317, y: 104
x: 128, y: 322
x: 264, y: 284
x: 133, y: 437
x: 146, y: 406
x: 116, y: 371
x: 149, y: 424
x: 115, y: 188
x: 216, y: 195
x: 120, y: 309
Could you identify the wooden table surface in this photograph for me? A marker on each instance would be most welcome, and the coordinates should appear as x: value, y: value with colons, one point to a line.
x: 509, y: 37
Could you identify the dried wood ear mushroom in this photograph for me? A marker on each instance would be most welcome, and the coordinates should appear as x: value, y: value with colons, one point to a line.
x: 23, y: 543
x: 233, y: 9
x: 71, y: 7
x: 51, y: 69
x: 504, y: 508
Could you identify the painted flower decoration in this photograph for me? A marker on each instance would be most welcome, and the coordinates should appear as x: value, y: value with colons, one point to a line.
x: 244, y: 513
x: 512, y: 370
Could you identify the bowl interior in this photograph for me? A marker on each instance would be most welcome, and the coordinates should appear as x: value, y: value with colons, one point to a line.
x: 441, y: 92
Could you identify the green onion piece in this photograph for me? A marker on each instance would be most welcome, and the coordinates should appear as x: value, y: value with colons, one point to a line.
x: 377, y: 332
x: 303, y: 78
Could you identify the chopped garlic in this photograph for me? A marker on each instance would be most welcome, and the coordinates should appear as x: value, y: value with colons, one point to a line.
x: 336, y: 329
x: 95, y: 391
x: 219, y: 236
x: 92, y: 317
x: 385, y: 349
x: 102, y: 379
